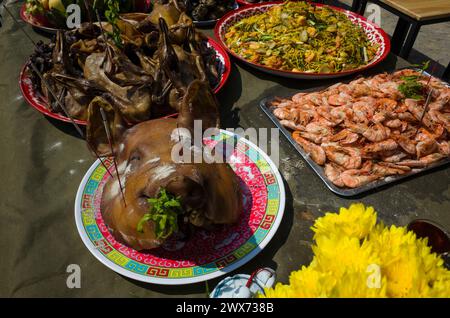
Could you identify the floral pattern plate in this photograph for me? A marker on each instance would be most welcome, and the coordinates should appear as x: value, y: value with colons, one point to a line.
x: 374, y: 33
x: 207, y: 254
x: 36, y: 100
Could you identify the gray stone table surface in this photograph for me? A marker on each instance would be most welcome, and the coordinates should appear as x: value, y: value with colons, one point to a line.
x: 43, y: 161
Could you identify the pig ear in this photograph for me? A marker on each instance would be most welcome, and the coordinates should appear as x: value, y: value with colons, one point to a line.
x: 199, y: 103
x: 95, y: 132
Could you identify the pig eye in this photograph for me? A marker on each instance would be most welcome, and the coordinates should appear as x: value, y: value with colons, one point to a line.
x: 135, y: 156
x: 134, y: 161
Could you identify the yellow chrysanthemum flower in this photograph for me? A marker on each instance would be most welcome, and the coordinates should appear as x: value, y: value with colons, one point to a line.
x: 354, y: 257
x: 356, y: 221
x: 355, y: 285
x: 341, y: 254
x: 408, y: 263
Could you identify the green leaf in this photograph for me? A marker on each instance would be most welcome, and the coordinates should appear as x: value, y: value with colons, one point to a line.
x: 164, y: 211
x: 140, y: 226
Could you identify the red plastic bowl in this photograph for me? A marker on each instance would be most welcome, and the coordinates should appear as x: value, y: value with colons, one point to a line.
x: 374, y: 33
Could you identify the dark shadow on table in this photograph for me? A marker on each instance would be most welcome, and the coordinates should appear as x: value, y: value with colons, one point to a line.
x: 44, y: 33
x: 228, y: 96
x: 66, y: 127
x: 388, y: 64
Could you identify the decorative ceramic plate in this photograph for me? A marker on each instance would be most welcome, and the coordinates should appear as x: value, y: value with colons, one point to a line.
x: 36, y: 100
x: 208, y: 254
x: 374, y: 33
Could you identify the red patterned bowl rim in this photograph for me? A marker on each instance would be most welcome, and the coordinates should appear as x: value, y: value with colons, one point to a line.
x: 39, y: 103
x: 249, y: 7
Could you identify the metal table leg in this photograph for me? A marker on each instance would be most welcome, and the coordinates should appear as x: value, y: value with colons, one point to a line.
x: 410, y: 39
x: 355, y: 5
x: 446, y: 75
x: 398, y: 38
x: 362, y: 7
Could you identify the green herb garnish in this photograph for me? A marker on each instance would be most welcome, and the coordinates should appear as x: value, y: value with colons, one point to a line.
x: 412, y: 88
x: 164, y: 212
x: 112, y: 16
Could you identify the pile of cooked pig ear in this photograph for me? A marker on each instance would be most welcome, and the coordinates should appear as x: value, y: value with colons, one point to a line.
x: 131, y: 93
x: 181, y: 66
x: 95, y: 132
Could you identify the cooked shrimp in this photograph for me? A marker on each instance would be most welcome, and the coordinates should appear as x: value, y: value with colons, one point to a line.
x: 317, y: 139
x: 405, y: 143
x: 282, y: 103
x: 360, y: 90
x: 396, y: 157
x: 282, y: 113
x: 291, y: 125
x: 440, y: 118
x: 384, y: 169
x: 339, y: 99
x: 316, y: 152
x: 385, y: 145
x: 362, y: 111
x: 387, y: 104
x: 414, y: 108
x: 355, y: 178
x: 345, y: 137
x: 314, y: 98
x: 408, y: 117
x: 444, y: 148
x: 426, y: 147
x: 298, y: 98
x: 318, y: 129
x: 333, y: 172
x: 375, y: 133
x: 422, y: 162
x: 380, y: 116
x: 347, y: 157
x: 396, y: 123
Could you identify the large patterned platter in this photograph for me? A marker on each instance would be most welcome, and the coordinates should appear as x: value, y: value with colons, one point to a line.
x: 374, y: 33
x: 207, y: 254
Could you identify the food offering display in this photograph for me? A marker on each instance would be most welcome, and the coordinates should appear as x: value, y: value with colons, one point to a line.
x: 302, y: 39
x: 372, y: 130
x: 174, y: 199
x: 131, y: 72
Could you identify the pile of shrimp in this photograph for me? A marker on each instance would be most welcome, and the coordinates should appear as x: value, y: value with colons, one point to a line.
x: 367, y: 130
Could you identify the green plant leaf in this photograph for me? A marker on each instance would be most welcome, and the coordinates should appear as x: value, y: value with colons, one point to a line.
x: 164, y: 211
